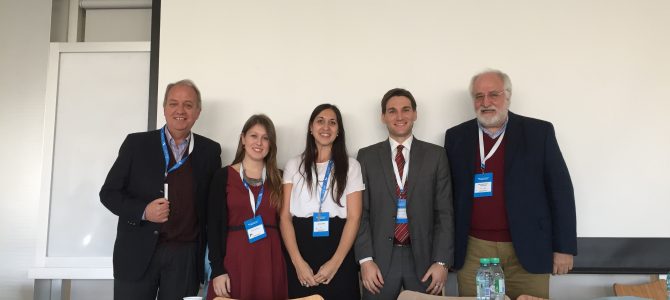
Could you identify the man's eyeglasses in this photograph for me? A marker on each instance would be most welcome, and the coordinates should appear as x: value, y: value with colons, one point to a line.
x: 493, y: 95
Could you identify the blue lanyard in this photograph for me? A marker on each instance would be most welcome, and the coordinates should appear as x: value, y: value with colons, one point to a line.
x: 324, y: 185
x: 167, y: 156
x: 483, y: 156
x: 251, y: 195
x: 260, y: 194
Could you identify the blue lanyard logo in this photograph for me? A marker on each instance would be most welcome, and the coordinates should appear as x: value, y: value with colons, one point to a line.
x: 167, y: 156
x: 260, y: 194
x: 324, y: 185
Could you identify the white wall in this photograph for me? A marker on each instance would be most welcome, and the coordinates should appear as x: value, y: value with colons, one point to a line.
x: 59, y: 20
x: 25, y: 27
x: 597, y: 69
x: 24, y: 36
x: 112, y: 25
x: 24, y: 39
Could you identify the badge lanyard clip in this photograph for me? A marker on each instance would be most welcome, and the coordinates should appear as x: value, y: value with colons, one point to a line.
x: 254, y: 226
x: 324, y: 185
x: 483, y: 158
x: 256, y: 205
x: 320, y: 220
x: 166, y: 155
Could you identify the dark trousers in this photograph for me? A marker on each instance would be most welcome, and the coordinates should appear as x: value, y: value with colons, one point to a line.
x: 171, y: 274
x: 401, y: 275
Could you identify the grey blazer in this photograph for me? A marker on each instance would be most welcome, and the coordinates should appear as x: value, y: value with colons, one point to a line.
x: 429, y: 206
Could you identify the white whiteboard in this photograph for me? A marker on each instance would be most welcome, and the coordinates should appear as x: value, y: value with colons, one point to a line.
x: 598, y: 70
x: 97, y: 93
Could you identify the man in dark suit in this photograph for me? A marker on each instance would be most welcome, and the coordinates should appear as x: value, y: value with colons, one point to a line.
x: 406, y: 234
x: 513, y: 197
x: 158, y: 186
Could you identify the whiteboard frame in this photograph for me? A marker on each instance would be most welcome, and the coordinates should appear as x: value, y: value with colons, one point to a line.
x: 102, y: 266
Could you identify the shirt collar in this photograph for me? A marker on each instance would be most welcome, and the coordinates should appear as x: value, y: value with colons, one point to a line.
x: 172, y: 141
x: 491, y: 134
x: 407, y: 143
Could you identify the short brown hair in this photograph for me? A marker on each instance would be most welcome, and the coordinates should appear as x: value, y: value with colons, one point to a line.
x: 397, y: 92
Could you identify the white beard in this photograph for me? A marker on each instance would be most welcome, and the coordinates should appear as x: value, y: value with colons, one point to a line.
x: 494, y: 121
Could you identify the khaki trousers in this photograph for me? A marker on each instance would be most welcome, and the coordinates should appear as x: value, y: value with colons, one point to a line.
x: 517, y: 280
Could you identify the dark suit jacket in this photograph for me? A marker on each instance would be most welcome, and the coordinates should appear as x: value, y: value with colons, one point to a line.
x: 135, y: 179
x: 539, y: 197
x: 429, y: 206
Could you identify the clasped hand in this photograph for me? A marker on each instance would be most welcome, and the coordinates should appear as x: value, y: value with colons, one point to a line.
x: 157, y: 211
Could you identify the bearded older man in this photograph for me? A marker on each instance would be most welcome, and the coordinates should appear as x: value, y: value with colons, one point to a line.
x: 513, y: 197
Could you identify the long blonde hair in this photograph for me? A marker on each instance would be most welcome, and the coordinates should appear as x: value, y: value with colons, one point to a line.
x: 273, y: 175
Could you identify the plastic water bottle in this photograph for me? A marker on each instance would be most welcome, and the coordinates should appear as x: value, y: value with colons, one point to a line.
x: 497, y: 280
x: 483, y: 280
x: 667, y: 285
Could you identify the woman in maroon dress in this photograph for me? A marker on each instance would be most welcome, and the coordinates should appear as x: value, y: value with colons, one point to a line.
x: 244, y: 241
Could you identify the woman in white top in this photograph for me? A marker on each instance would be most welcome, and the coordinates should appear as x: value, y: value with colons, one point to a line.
x: 321, y: 211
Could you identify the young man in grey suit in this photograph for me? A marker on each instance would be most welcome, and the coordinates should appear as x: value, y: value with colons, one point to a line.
x: 406, y: 236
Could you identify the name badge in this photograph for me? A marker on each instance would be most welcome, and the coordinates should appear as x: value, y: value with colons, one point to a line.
x: 401, y: 214
x: 321, y: 223
x: 255, y: 229
x: 483, y: 185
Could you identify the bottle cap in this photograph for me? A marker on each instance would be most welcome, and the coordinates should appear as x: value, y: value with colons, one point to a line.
x: 484, y: 261
x: 495, y: 260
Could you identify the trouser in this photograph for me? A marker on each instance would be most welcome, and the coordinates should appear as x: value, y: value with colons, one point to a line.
x: 401, y: 275
x: 171, y: 273
x: 517, y: 280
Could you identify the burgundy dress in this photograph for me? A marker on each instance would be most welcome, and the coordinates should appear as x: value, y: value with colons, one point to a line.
x: 256, y: 270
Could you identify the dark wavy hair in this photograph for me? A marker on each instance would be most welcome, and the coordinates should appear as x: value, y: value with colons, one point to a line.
x: 273, y: 175
x: 338, y: 155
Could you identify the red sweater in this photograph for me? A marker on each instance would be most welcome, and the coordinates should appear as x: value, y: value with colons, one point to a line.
x: 489, y: 216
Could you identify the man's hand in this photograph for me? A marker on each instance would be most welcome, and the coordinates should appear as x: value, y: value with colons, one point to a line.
x: 157, y: 211
x: 371, y: 277
x: 562, y: 263
x: 438, y: 273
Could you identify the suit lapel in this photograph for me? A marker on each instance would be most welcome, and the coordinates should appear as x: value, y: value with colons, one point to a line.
x: 196, y: 165
x: 471, y: 148
x: 513, y: 134
x: 416, y: 157
x: 157, y: 155
x: 384, y: 151
x: 195, y: 162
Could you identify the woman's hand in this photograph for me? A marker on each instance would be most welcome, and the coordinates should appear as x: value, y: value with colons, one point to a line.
x: 305, y: 274
x: 221, y: 285
x: 327, y: 272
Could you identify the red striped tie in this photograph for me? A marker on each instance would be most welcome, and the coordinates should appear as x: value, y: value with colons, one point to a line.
x: 401, y: 230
